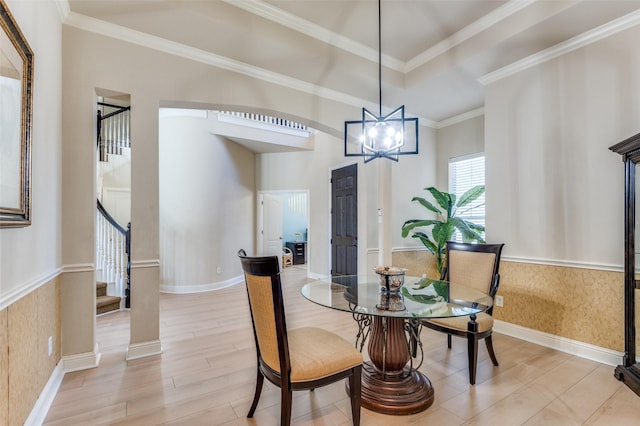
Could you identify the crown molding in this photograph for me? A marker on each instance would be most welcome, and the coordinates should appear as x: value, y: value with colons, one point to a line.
x: 460, y: 118
x: 139, y: 38
x: 482, y: 24
x: 279, y: 16
x: 63, y: 9
x: 617, y: 25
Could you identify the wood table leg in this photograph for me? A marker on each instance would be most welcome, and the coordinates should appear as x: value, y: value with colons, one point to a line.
x: 389, y: 385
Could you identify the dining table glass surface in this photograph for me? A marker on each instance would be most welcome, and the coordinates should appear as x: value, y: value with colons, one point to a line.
x: 416, y: 298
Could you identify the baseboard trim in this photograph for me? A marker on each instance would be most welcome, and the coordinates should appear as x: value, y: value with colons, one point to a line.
x: 200, y: 288
x: 83, y: 361
x: 143, y: 350
x: 44, y: 401
x: 317, y: 276
x: 574, y: 347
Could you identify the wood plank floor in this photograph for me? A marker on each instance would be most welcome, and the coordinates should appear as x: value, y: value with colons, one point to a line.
x: 206, y: 375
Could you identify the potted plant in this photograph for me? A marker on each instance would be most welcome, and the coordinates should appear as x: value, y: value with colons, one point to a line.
x: 446, y: 222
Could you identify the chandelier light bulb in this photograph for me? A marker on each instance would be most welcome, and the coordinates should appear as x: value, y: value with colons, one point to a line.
x: 390, y: 131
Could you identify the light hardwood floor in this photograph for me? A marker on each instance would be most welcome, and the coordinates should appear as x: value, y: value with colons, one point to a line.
x: 206, y: 375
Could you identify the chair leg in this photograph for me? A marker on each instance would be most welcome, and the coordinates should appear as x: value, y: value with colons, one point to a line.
x: 285, y: 405
x: 492, y: 354
x: 472, y: 343
x: 472, y: 348
x: 355, y: 384
x: 256, y: 396
x: 449, y: 341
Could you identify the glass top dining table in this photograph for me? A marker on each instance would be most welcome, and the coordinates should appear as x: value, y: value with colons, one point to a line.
x: 391, y: 322
x: 417, y: 298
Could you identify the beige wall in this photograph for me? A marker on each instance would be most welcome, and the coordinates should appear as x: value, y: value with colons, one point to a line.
x: 25, y: 364
x: 555, y: 191
x: 312, y: 171
x: 30, y: 260
x: 207, y: 203
x: 154, y: 79
x: 547, y: 132
x: 27, y: 254
x: 456, y: 140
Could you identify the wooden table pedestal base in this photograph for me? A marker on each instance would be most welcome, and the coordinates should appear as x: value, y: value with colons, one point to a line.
x: 399, y: 394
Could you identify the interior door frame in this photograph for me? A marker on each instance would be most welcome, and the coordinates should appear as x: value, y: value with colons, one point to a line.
x: 260, y: 217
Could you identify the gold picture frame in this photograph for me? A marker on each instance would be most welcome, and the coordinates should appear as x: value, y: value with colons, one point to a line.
x: 16, y: 95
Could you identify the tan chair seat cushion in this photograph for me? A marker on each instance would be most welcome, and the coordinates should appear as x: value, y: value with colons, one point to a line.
x: 485, y: 322
x: 317, y: 353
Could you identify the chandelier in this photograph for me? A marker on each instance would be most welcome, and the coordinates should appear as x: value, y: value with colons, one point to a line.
x: 378, y: 136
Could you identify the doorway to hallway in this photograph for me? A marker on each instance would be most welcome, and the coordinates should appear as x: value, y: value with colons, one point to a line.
x: 283, y: 221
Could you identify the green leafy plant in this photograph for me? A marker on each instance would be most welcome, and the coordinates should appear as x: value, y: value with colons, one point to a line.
x: 446, y: 222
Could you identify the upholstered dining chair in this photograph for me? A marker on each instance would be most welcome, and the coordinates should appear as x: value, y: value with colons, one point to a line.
x: 298, y: 359
x: 476, y: 266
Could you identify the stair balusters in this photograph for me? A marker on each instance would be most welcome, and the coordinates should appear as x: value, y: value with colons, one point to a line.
x: 113, y: 130
x: 112, y: 240
x: 112, y: 257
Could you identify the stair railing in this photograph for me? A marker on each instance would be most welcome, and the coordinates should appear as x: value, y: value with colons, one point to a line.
x: 266, y: 119
x: 113, y: 254
x: 113, y: 130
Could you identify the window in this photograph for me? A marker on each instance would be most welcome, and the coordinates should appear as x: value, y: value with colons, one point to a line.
x: 465, y: 173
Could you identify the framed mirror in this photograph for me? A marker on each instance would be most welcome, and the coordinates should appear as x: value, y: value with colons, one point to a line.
x: 16, y: 93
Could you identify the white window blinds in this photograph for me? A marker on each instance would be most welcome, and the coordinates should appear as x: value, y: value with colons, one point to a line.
x: 465, y: 173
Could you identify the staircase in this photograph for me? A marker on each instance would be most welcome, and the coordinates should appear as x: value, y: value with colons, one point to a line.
x: 105, y: 303
x: 113, y: 260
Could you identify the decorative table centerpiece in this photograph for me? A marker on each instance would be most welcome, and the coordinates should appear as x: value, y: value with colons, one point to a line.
x: 391, y: 278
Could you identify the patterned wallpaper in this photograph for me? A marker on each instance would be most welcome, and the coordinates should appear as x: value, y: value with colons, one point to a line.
x: 585, y: 305
x: 25, y: 363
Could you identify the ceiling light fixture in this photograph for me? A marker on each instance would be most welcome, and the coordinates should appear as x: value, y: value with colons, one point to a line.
x: 381, y: 136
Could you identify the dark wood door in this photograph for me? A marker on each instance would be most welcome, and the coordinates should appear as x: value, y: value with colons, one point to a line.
x: 344, y: 221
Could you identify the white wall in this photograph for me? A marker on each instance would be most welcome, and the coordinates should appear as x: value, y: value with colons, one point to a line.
x: 554, y: 190
x: 207, y: 204
x: 30, y: 256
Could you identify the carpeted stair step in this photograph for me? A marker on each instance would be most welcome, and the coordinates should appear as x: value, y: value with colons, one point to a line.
x: 101, y: 288
x: 105, y: 303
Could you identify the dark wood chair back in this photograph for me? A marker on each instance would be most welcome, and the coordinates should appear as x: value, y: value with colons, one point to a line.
x: 299, y: 359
